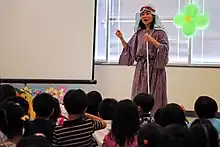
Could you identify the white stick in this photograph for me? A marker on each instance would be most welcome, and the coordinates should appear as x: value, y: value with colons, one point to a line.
x: 148, y: 69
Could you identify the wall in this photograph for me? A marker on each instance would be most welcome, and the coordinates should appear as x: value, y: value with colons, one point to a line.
x: 185, y: 84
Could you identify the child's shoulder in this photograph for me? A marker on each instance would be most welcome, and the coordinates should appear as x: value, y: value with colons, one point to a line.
x: 71, y: 123
x: 109, y: 141
x: 216, y: 123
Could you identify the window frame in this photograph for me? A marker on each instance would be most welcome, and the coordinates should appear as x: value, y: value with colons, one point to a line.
x: 190, y: 47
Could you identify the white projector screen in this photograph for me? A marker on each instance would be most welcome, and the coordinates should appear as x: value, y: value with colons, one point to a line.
x: 47, y: 39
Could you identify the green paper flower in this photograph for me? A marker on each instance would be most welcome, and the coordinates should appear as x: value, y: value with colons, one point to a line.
x: 190, y: 20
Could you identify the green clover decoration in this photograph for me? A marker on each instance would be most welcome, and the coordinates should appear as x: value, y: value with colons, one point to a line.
x: 191, y: 20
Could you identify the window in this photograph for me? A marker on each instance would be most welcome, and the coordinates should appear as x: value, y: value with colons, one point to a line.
x: 206, y: 44
x: 120, y: 14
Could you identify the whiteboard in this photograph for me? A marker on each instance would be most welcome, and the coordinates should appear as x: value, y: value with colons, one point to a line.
x: 47, y: 39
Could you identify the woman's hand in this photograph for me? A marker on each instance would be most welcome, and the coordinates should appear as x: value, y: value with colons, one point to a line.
x: 148, y: 38
x: 119, y: 34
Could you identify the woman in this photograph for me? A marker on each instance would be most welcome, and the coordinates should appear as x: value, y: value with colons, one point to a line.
x: 150, y: 38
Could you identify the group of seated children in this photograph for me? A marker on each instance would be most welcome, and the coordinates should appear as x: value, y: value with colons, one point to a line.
x: 88, y: 120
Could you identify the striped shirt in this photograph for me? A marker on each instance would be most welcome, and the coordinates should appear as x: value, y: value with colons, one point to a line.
x: 76, y: 133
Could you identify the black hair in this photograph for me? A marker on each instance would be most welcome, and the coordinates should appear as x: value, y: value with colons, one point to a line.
x: 107, y: 108
x: 75, y: 101
x: 11, y: 123
x: 125, y: 123
x: 150, y: 135
x: 176, y: 135
x: 6, y: 90
x: 174, y: 114
x: 158, y: 116
x: 141, y: 25
x: 205, y: 107
x: 57, y: 111
x: 21, y: 101
x: 43, y: 105
x: 95, y: 99
x: 145, y: 101
x: 34, y: 141
x: 204, y: 133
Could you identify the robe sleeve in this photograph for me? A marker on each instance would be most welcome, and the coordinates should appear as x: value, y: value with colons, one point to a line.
x: 128, y: 54
x: 163, y: 51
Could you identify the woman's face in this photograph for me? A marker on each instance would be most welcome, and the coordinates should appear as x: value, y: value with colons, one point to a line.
x: 146, y: 17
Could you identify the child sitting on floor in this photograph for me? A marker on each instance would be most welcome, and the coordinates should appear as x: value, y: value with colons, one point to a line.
x: 105, y: 110
x: 145, y: 103
x: 125, y: 125
x: 79, y: 128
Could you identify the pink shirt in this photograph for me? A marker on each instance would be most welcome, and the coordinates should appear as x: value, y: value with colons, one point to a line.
x: 110, y: 143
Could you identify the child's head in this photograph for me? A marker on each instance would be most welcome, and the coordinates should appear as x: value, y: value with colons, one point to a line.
x: 106, y: 108
x: 205, y: 107
x: 11, y: 119
x: 43, y: 105
x: 145, y: 102
x: 204, y: 134
x: 6, y: 90
x: 95, y: 99
x: 21, y: 101
x: 176, y: 135
x: 57, y: 111
x: 75, y: 101
x: 158, y: 116
x: 125, y: 122
x: 174, y: 114
x: 150, y: 135
x: 34, y: 141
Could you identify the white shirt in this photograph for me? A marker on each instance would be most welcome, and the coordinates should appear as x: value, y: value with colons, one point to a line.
x: 2, y: 137
x: 100, y: 135
x: 63, y: 111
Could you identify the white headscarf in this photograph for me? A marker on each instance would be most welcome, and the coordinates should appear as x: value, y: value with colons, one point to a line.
x: 158, y: 24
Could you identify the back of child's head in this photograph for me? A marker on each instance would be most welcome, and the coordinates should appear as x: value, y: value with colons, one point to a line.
x: 43, y: 105
x: 176, y: 135
x: 174, y: 114
x: 75, y: 101
x: 6, y: 90
x: 34, y: 141
x: 144, y: 101
x: 95, y: 99
x: 21, y: 101
x: 205, y: 107
x: 158, y: 116
x: 203, y: 133
x: 57, y: 111
x: 125, y: 122
x: 11, y: 119
x: 150, y: 135
x: 106, y: 108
